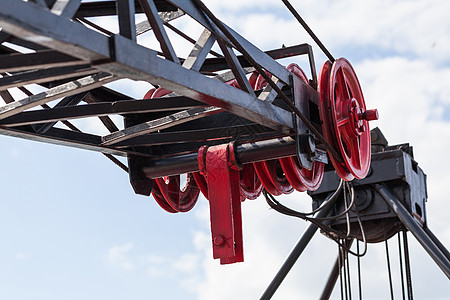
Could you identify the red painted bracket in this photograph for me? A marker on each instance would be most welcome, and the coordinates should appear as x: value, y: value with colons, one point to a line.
x: 219, y: 166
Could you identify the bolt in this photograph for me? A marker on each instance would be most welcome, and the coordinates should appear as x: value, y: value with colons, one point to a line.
x: 218, y: 240
x: 370, y: 115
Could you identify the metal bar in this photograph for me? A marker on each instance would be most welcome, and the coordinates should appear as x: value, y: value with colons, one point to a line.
x: 236, y: 67
x: 126, y: 11
x: 40, y: 60
x: 312, y: 66
x: 228, y: 75
x: 97, y: 27
x: 108, y: 8
x: 259, y: 56
x: 437, y: 242
x: 255, y: 131
x: 197, y: 86
x: 198, y: 54
x: 137, y: 62
x: 71, y: 101
x: 66, y: 8
x: 67, y: 101
x: 334, y: 275
x: 67, y: 89
x: 159, y: 124
x: 103, y: 93
x: 108, y: 95
x: 247, y: 153
x: 100, y: 109
x: 166, y: 17
x: 68, y: 138
x: 37, y: 25
x: 26, y: 44
x: 219, y: 63
x: 155, y: 21
x: 6, y: 96
x: 419, y: 233
x: 295, y: 253
x: 269, y: 94
x: 67, y: 123
x: 4, y: 36
x: 189, y: 39
x: 45, y: 75
x: 109, y: 124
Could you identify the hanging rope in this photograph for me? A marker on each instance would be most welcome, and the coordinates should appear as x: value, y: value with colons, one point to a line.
x: 400, y: 255
x: 389, y: 269
x: 344, y: 255
x: 340, y: 260
x: 407, y: 266
x: 319, y: 222
x: 359, y: 271
x: 348, y: 278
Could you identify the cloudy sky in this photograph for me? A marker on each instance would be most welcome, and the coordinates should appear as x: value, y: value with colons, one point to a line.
x: 71, y: 226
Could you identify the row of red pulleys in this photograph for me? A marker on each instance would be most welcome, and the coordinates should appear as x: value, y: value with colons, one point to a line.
x: 345, y: 127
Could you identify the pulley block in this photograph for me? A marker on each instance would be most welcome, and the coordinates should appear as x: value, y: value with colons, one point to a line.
x: 345, y: 118
x: 166, y: 191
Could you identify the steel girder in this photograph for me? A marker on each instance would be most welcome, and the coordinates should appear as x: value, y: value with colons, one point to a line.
x: 70, y: 55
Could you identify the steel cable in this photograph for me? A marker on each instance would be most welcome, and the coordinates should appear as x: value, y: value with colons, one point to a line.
x: 400, y: 255
x: 327, y: 230
x: 308, y: 30
x: 391, y: 288
x: 269, y: 80
x: 359, y: 271
x: 348, y: 278
x: 407, y: 266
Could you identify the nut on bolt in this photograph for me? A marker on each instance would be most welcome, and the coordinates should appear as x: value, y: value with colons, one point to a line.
x: 218, y: 240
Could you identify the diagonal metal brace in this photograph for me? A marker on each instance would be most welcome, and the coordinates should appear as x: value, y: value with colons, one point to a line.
x: 432, y: 248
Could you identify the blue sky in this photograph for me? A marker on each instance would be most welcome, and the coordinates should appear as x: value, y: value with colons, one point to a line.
x: 71, y: 226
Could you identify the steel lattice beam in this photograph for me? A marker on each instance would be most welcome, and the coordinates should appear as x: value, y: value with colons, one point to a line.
x: 133, y: 61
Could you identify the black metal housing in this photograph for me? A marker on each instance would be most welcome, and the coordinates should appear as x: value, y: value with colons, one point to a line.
x: 395, y: 167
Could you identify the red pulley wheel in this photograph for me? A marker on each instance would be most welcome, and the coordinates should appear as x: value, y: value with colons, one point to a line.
x: 270, y: 172
x: 272, y: 177
x: 300, y: 178
x: 251, y: 186
x: 201, y: 183
x: 345, y: 118
x: 327, y: 121
x: 159, y: 198
x: 168, y: 188
x: 149, y: 94
x: 181, y: 200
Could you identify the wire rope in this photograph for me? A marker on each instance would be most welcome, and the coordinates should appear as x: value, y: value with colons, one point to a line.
x: 400, y: 255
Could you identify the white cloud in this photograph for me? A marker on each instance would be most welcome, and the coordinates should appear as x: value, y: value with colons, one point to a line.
x: 21, y: 256
x: 118, y: 256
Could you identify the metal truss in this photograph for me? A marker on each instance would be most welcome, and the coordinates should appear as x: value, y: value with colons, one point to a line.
x: 60, y: 46
x: 72, y: 58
